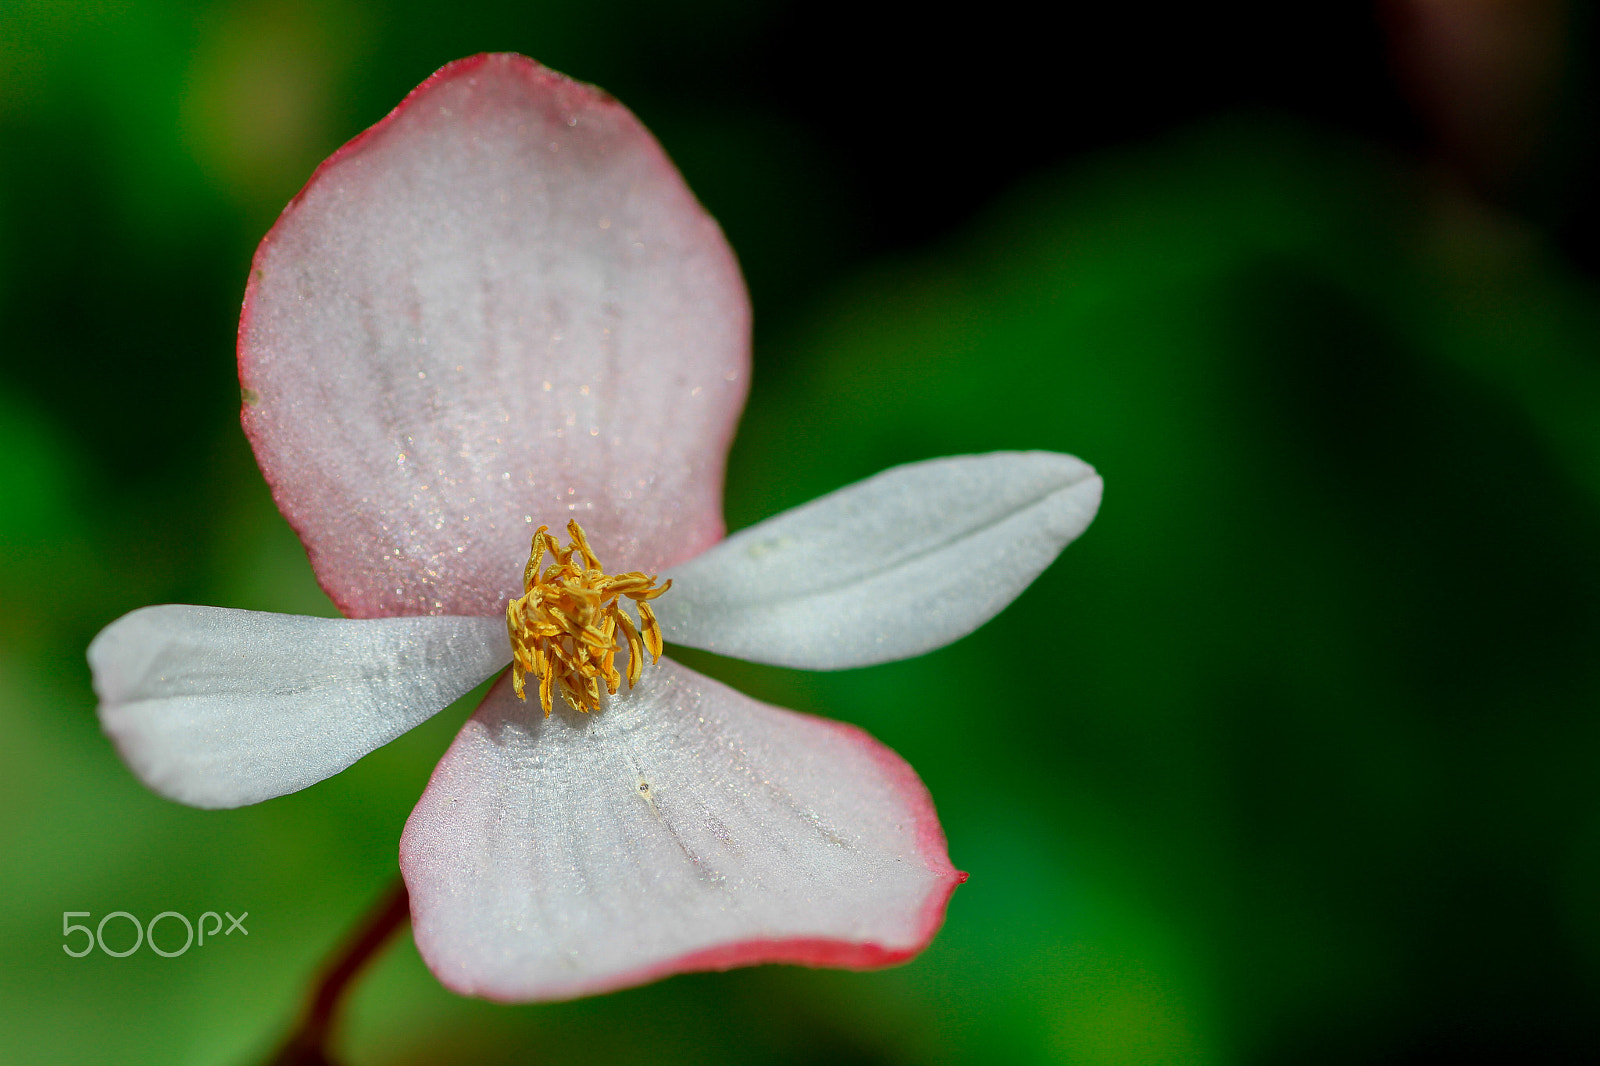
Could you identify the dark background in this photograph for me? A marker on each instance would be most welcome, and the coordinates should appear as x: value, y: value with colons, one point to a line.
x: 1293, y: 758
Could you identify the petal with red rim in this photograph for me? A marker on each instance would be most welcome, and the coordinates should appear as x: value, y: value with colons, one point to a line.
x: 219, y: 708
x: 683, y: 827
x: 498, y: 308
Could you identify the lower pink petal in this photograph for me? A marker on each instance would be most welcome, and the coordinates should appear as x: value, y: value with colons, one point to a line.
x: 683, y: 827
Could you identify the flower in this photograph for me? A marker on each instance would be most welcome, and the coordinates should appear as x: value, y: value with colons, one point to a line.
x: 500, y: 309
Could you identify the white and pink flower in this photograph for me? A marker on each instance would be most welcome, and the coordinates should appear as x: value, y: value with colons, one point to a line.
x: 497, y: 309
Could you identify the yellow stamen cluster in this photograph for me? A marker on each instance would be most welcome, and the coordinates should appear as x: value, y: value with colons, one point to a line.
x: 564, y: 628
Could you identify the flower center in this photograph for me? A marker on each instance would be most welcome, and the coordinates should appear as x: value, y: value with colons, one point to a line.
x: 564, y: 627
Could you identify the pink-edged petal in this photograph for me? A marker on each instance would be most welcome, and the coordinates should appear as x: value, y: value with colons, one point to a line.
x: 683, y: 827
x: 215, y: 707
x: 498, y: 308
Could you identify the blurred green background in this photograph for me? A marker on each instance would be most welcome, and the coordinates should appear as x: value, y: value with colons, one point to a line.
x: 1293, y: 758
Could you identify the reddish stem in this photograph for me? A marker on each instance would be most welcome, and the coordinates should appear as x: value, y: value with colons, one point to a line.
x: 307, y: 1045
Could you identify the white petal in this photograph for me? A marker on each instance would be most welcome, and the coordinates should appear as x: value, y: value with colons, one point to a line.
x: 890, y: 567
x: 220, y: 708
x: 683, y: 827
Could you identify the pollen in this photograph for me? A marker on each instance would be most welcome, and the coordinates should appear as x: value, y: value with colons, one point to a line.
x: 568, y: 626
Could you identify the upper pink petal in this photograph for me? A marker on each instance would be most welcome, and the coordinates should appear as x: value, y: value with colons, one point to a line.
x: 683, y: 827
x: 498, y: 308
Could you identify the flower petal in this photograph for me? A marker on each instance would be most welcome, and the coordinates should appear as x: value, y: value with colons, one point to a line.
x: 219, y: 708
x: 500, y: 307
x: 890, y: 567
x: 683, y: 827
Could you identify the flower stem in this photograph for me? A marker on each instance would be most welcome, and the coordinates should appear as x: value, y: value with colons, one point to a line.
x: 307, y: 1045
